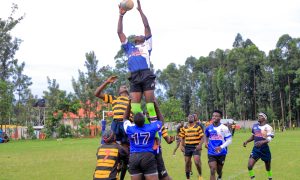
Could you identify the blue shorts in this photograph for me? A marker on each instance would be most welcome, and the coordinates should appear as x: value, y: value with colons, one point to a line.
x: 118, y: 128
x: 262, y: 153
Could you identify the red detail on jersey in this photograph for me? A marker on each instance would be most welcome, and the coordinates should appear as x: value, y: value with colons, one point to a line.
x: 107, y: 151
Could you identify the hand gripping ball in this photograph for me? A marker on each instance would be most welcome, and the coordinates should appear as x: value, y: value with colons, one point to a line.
x: 127, y: 5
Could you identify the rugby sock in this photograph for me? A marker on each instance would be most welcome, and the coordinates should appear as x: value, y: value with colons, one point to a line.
x: 136, y: 108
x: 151, y: 110
x: 187, y: 174
x: 251, y: 174
x: 269, y: 173
x: 147, y: 121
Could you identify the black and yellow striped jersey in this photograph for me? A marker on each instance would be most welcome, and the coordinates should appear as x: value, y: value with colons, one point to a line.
x: 108, y: 158
x: 191, y: 135
x: 164, y: 132
x: 119, y: 105
x: 178, y: 129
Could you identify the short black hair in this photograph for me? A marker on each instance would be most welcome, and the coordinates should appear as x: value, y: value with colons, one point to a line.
x: 218, y: 111
x: 139, y: 119
x: 108, y: 136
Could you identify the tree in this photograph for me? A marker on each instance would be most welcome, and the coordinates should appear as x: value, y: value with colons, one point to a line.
x: 8, y: 45
x: 5, y: 102
x: 21, y: 86
x: 238, y: 42
x: 171, y: 110
x: 8, y: 48
x: 54, y: 98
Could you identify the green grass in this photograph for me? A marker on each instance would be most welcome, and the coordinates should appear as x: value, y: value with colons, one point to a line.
x: 74, y: 159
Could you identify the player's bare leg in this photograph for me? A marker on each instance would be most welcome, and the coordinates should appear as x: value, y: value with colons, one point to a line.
x: 198, y: 164
x: 188, y: 164
x: 251, y: 163
x: 151, y: 177
x: 137, y: 177
x: 268, y: 169
x: 136, y: 98
x: 219, y: 170
x: 213, y: 168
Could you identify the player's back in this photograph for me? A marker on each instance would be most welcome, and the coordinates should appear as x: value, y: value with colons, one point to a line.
x: 142, y: 138
x: 108, y: 156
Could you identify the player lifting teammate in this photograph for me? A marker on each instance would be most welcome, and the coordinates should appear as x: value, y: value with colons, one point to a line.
x: 119, y: 106
x: 142, y: 79
x: 142, y: 161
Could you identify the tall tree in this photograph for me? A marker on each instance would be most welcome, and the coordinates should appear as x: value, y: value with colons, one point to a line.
x: 8, y: 47
x: 21, y: 86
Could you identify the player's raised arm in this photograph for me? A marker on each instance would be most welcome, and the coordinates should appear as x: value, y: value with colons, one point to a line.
x: 98, y: 91
x: 158, y: 113
x: 122, y: 36
x: 144, y: 19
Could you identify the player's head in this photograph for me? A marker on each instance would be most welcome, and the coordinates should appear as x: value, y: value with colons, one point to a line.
x: 138, y: 39
x: 191, y: 118
x: 262, y: 117
x: 123, y: 90
x: 139, y: 119
x: 217, y: 116
x: 108, y: 136
x: 182, y: 123
x: 195, y: 117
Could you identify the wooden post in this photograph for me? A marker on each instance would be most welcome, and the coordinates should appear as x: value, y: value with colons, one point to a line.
x: 274, y: 126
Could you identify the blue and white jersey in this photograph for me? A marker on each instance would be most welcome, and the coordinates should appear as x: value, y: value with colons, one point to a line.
x: 216, y: 137
x: 138, y: 55
x: 262, y: 132
x: 141, y: 138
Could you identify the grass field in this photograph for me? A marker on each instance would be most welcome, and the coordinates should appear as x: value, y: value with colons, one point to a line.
x: 74, y: 159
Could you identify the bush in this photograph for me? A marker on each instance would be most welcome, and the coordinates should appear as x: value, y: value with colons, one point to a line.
x: 30, y: 132
x: 64, y: 131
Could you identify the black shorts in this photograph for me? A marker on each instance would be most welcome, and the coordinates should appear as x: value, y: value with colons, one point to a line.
x: 218, y: 159
x: 162, y: 172
x: 142, y: 80
x: 191, y: 151
x: 118, y: 128
x: 142, y: 163
x: 262, y: 153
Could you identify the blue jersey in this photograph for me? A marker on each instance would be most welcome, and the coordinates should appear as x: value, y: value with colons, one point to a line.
x: 216, y: 137
x: 138, y: 55
x: 141, y: 138
x: 262, y: 132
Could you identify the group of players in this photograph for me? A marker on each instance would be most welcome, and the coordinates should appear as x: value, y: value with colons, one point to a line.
x: 133, y: 142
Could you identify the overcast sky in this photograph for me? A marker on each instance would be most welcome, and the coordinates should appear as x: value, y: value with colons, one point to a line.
x: 56, y: 34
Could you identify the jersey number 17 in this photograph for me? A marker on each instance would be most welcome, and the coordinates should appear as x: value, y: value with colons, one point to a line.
x: 141, y: 138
